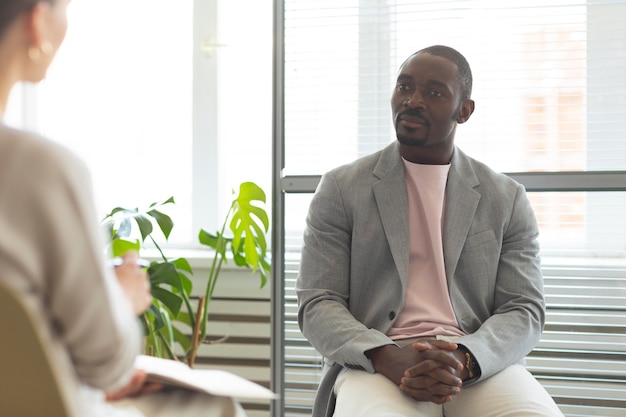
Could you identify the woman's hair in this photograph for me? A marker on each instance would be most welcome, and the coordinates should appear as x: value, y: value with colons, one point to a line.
x: 10, y: 9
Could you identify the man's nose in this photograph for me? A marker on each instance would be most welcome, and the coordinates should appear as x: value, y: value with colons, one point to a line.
x: 414, y: 100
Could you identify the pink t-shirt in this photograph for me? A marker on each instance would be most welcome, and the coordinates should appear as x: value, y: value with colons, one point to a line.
x: 427, y: 308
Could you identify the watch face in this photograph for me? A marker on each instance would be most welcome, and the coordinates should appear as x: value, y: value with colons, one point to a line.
x: 473, y: 365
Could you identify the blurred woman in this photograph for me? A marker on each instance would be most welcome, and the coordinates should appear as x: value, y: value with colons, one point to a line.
x: 52, y: 251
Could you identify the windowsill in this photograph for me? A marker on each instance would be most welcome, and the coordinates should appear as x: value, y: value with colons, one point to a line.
x: 198, y: 258
x: 234, y: 281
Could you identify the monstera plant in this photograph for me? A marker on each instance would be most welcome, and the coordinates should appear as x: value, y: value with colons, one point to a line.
x: 175, y: 317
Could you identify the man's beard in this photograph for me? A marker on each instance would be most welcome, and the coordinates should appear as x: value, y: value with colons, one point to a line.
x: 406, y: 140
x: 410, y: 141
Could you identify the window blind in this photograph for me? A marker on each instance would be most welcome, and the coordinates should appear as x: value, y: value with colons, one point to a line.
x: 549, y: 81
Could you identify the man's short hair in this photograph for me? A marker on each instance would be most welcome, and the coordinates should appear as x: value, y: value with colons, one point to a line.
x: 451, y: 54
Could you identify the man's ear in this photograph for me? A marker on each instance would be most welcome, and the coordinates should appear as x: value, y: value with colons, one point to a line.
x: 466, y: 110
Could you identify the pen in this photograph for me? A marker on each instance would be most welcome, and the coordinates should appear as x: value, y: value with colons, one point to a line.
x: 118, y: 261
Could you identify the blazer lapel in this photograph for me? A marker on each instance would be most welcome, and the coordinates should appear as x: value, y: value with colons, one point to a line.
x: 391, y: 199
x: 461, y: 202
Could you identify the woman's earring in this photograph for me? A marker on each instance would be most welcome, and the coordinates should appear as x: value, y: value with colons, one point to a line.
x: 34, y: 53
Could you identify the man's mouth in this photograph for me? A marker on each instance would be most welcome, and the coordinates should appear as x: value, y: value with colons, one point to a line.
x: 412, y: 121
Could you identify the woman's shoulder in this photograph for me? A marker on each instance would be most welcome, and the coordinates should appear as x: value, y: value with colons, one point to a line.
x: 23, y: 150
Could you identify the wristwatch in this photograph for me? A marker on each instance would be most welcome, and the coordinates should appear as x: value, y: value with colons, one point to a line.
x: 473, y: 370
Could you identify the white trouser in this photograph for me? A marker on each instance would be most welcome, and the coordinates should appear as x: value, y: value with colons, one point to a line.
x: 514, y: 392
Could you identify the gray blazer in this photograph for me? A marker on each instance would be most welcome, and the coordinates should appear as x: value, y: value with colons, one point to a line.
x: 355, y: 260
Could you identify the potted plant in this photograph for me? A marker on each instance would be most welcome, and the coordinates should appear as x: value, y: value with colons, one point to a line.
x: 240, y: 239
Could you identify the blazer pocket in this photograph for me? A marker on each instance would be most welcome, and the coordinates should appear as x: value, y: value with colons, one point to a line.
x: 479, y: 259
x: 481, y: 238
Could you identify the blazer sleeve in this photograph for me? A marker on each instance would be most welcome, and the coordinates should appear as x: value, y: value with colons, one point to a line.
x: 506, y: 321
x: 323, y: 284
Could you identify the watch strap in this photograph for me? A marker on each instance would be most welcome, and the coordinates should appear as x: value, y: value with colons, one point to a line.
x: 470, y: 364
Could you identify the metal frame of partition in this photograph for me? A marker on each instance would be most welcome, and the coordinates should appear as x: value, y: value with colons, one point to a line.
x: 533, y: 181
x: 278, y: 219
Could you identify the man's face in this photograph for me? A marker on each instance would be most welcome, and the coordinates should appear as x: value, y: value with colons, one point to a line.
x: 426, y: 106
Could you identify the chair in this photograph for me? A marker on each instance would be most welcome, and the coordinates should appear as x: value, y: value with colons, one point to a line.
x: 29, y: 382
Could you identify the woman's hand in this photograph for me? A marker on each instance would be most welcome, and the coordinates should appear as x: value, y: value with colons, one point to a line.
x: 137, y: 385
x: 135, y: 283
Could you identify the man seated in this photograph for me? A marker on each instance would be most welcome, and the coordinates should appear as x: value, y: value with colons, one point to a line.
x: 420, y: 279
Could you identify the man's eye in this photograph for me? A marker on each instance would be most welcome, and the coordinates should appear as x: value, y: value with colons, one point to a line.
x: 402, y: 87
x: 435, y: 93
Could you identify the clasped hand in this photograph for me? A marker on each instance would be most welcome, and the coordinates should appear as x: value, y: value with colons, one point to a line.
x: 429, y: 370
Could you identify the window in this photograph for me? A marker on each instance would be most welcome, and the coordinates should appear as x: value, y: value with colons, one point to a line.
x: 548, y: 79
x: 162, y: 98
